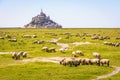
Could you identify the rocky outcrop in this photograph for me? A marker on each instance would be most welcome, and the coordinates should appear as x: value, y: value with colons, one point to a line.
x: 42, y: 21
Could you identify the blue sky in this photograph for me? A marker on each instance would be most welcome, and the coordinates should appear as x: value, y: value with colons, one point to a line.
x: 68, y: 13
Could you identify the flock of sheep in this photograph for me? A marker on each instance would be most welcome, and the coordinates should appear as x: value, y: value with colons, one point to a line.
x: 84, y: 61
x: 112, y: 44
x: 17, y: 56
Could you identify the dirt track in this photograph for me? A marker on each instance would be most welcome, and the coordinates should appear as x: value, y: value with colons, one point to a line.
x: 117, y: 70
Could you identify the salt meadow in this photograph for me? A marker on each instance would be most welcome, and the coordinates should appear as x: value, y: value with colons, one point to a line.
x: 73, y: 39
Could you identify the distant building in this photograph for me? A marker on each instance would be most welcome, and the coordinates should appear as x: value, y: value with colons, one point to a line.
x: 42, y: 21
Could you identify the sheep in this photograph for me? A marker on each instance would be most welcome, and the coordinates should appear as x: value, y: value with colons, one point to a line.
x: 117, y: 38
x: 107, y: 43
x: 33, y: 36
x: 79, y: 52
x: 62, y: 50
x: 51, y: 50
x: 14, y: 55
x: 117, y: 44
x: 12, y: 40
x: 19, y: 54
x: 94, y: 37
x: 96, y: 55
x: 7, y: 36
x: 106, y: 37
x: 29, y: 36
x: 1, y: 37
x: 105, y: 61
x: 76, y: 53
x: 45, y: 49
x: 95, y: 61
x: 87, y: 61
x: 69, y: 61
x: 24, y: 54
x: 38, y: 42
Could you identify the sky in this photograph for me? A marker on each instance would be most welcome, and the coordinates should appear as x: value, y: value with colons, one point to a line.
x: 68, y: 13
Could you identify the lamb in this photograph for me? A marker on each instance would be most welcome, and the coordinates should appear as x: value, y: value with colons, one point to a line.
x: 105, y: 61
x: 96, y: 55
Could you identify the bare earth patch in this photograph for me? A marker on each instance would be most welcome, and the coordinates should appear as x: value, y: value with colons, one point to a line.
x: 81, y: 43
x: 5, y: 52
x: 63, y: 45
x: 44, y: 59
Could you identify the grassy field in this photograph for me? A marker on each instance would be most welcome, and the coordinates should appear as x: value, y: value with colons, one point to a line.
x: 16, y: 70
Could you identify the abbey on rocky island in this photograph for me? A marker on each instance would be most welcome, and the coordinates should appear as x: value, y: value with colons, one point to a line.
x: 42, y: 21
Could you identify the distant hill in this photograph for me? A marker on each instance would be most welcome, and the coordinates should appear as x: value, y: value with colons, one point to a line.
x: 42, y: 21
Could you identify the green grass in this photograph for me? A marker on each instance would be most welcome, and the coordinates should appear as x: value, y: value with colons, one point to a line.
x: 15, y: 70
x: 50, y: 71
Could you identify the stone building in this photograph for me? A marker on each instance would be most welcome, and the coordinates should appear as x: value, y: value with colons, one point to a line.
x: 42, y: 21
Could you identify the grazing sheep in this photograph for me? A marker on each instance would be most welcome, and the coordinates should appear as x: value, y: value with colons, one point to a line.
x: 14, y: 55
x: 82, y: 61
x: 74, y: 54
x: 29, y: 36
x: 87, y: 61
x: 45, y: 49
x: 12, y: 40
x: 24, y: 54
x: 107, y: 43
x: 106, y: 37
x: 66, y: 61
x: 96, y: 55
x: 117, y: 44
x: 38, y: 42
x: 95, y: 61
x: 7, y: 36
x: 94, y: 37
x: 51, y: 50
x: 1, y: 37
x: 19, y: 54
x: 69, y: 61
x: 117, y: 38
x: 53, y: 42
x: 62, y: 50
x: 105, y: 61
x: 79, y: 52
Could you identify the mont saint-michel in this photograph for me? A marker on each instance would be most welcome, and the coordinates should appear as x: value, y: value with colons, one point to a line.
x: 42, y: 21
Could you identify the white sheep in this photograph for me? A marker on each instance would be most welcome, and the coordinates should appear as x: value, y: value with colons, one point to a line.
x: 96, y: 55
x: 105, y: 61
x: 14, y: 55
x: 95, y: 61
x: 24, y: 54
